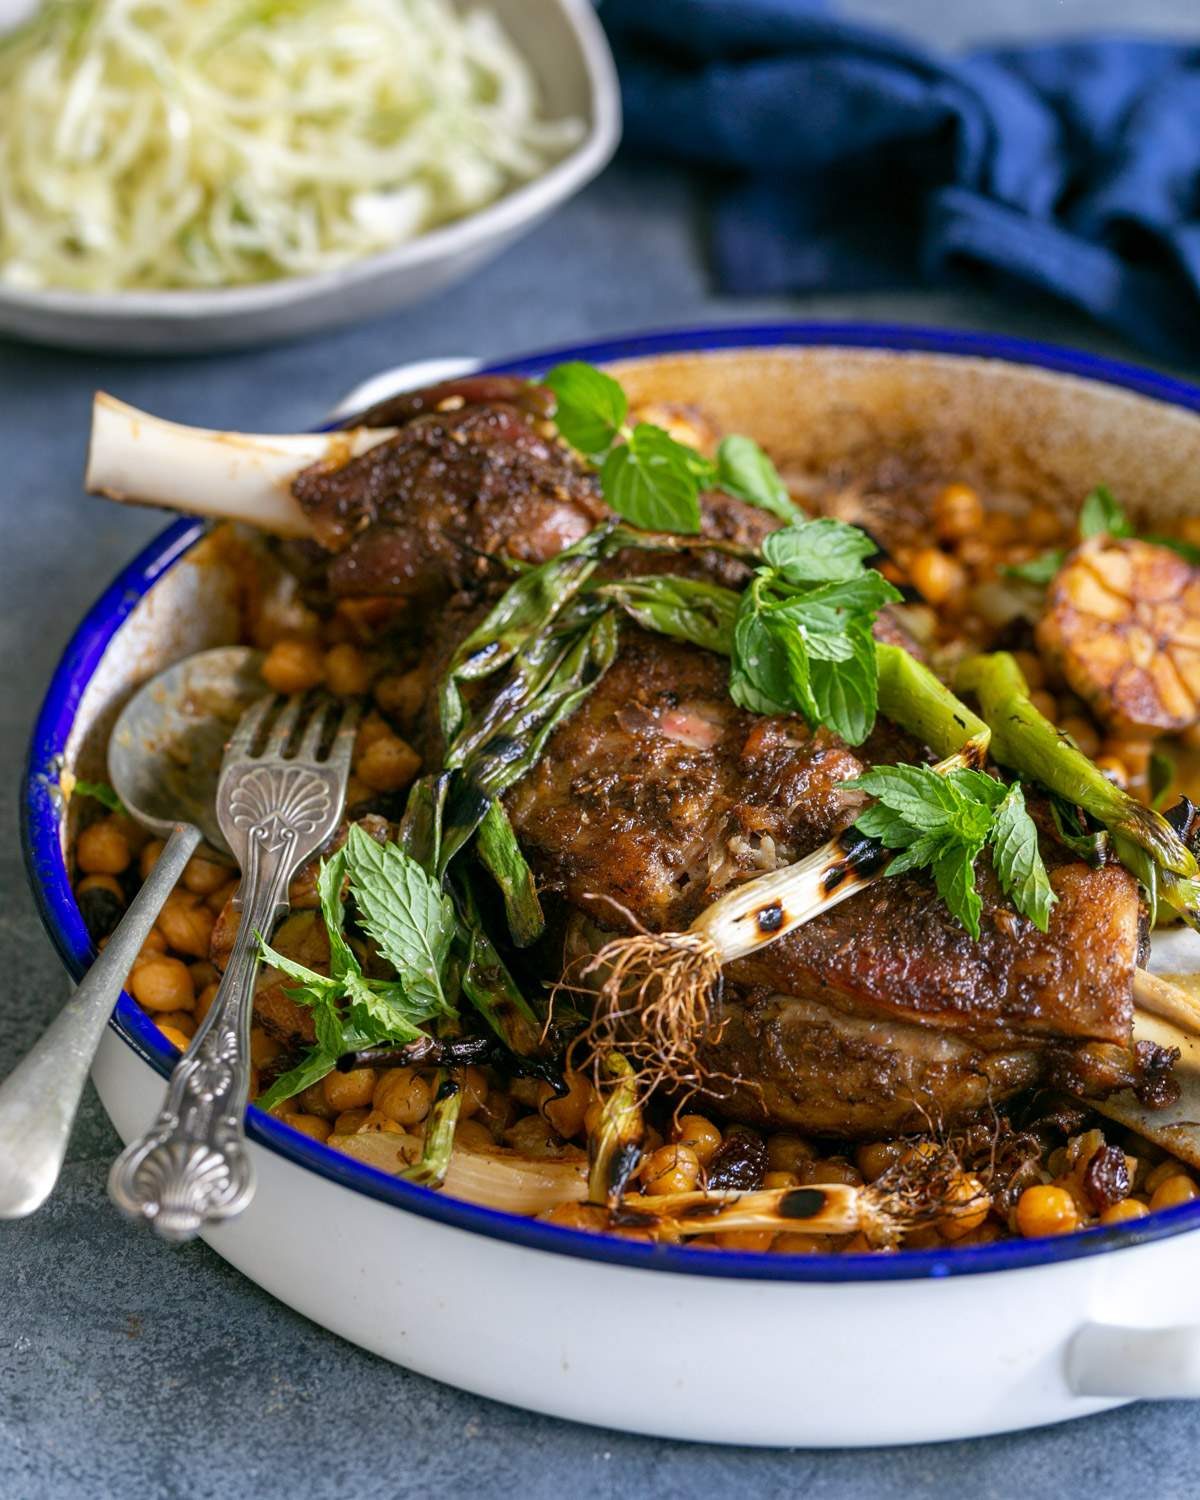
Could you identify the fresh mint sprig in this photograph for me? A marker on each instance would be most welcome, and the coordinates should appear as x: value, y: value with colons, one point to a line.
x: 646, y: 475
x: 943, y: 822
x: 412, y: 922
x: 802, y: 640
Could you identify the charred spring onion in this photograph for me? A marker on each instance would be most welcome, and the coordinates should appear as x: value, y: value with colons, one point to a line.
x: 1028, y: 743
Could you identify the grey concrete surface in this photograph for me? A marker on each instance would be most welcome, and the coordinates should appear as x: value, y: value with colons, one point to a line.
x: 128, y: 1369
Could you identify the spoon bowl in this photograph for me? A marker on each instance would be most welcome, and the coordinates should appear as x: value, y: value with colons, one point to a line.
x: 165, y: 752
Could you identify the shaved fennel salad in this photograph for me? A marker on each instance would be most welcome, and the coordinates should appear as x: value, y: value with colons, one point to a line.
x: 208, y: 143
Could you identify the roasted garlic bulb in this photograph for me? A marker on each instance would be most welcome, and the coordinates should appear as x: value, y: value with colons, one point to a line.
x: 1122, y: 622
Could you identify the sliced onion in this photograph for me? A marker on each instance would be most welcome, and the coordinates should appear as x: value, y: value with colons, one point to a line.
x: 516, y: 1184
x: 500, y: 1179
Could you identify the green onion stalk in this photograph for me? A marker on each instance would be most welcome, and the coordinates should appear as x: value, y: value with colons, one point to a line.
x: 1027, y: 742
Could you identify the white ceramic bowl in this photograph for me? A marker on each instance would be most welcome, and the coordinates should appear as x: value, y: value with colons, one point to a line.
x: 799, y: 1350
x: 568, y: 52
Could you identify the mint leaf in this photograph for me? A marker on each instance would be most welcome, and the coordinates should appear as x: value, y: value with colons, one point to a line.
x: 591, y: 406
x: 954, y: 876
x: 1100, y: 514
x: 819, y: 551
x: 944, y: 821
x: 311, y: 1070
x: 745, y: 471
x: 1018, y: 861
x: 918, y: 794
x: 406, y: 913
x: 329, y: 890
x: 651, y: 481
x: 845, y: 693
x: 769, y: 667
x: 1039, y: 570
x: 99, y: 791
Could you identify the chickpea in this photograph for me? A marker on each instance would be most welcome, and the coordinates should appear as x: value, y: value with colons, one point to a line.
x: 370, y: 732
x: 203, y: 974
x: 745, y: 1239
x: 957, y: 512
x: 102, y: 849
x: 204, y: 1001
x: 1083, y: 732
x: 788, y: 1153
x: 352, y: 1090
x: 701, y: 1135
x: 378, y: 1123
x: 204, y: 876
x: 350, y: 1121
x: 220, y: 898
x: 833, y: 1169
x: 179, y: 1020
x: 163, y: 984
x: 186, y: 924
x: 311, y: 1101
x: 874, y: 1158
x: 402, y: 695
x: 154, y: 947
x: 803, y: 1244
x: 148, y: 858
x: 967, y: 1206
x: 1032, y: 668
x: 1124, y: 1211
x: 936, y: 576
x: 1174, y: 1191
x: 1113, y: 769
x: 566, y: 1112
x: 1042, y: 524
x: 311, y: 1125
x: 403, y: 1096
x: 388, y: 765
x: 346, y: 671
x: 473, y: 1135
x: 1156, y: 1176
x: 585, y: 1216
x: 264, y: 1048
x: 1045, y: 703
x: 780, y: 1180
x: 174, y: 1036
x: 1045, y: 1211
x: 670, y: 1169
x: 293, y: 666
x: 358, y: 792
x: 474, y: 1085
x: 108, y: 883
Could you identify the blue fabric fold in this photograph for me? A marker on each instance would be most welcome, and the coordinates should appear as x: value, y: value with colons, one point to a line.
x: 846, y: 158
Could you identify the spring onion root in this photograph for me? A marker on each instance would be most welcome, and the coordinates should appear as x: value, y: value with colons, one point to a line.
x: 231, y: 476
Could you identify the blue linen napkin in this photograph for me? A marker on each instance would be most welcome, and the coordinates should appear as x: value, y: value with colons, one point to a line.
x: 853, y: 159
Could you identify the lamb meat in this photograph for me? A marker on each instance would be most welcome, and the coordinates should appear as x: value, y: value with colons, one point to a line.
x: 883, y: 1012
x: 475, y: 472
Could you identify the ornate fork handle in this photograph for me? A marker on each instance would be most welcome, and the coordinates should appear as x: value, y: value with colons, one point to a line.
x: 191, y: 1167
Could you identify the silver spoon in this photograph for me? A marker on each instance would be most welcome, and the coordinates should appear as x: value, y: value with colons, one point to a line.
x: 163, y: 761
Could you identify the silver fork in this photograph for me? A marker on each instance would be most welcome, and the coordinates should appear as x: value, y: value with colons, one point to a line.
x: 275, y: 810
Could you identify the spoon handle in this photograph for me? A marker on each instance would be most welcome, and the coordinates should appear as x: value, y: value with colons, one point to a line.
x: 191, y: 1167
x: 40, y: 1097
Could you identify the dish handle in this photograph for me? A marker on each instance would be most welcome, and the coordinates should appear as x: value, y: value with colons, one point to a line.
x: 398, y: 378
x: 1104, y: 1359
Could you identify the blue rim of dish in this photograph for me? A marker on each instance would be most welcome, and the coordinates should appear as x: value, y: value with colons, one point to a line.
x: 40, y: 834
